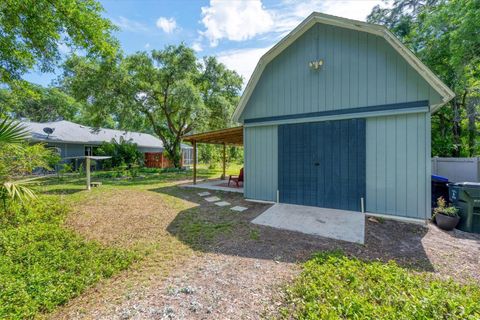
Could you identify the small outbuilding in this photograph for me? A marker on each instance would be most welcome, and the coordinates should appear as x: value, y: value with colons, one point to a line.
x: 337, y: 115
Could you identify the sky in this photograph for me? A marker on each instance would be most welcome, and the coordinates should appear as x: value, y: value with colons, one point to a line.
x: 237, y: 32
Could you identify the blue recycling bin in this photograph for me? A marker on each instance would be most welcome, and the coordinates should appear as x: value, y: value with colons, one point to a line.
x: 439, y: 189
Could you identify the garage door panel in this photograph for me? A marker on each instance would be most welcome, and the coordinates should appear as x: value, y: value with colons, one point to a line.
x: 323, y: 163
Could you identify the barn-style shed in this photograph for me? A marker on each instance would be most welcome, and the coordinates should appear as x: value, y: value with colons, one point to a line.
x: 338, y: 114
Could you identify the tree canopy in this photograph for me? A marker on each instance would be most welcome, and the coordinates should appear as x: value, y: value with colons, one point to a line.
x: 445, y: 35
x: 40, y: 104
x: 32, y: 31
x: 167, y: 91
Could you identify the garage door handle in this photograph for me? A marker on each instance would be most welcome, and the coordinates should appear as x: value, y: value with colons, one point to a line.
x: 316, y: 164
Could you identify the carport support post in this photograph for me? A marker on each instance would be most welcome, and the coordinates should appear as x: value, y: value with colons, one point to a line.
x: 224, y: 160
x: 194, y: 162
x: 87, y: 165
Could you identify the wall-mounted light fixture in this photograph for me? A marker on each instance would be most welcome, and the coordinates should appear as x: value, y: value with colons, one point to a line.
x: 315, y: 65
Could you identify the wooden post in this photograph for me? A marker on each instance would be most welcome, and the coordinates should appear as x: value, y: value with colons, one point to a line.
x: 194, y: 162
x: 224, y: 160
x: 87, y: 165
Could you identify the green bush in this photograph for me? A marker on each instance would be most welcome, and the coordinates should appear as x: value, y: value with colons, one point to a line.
x: 43, y: 265
x: 333, y: 286
x: 123, y: 153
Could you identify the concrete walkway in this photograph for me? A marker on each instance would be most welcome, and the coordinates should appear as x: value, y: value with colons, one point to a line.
x: 329, y: 223
x: 216, y: 185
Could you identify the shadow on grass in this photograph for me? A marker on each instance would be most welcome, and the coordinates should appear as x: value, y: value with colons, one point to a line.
x: 63, y: 191
x: 209, y: 228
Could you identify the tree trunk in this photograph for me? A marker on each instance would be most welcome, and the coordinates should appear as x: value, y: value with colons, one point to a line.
x: 174, y: 153
x: 472, y: 127
x: 456, y: 130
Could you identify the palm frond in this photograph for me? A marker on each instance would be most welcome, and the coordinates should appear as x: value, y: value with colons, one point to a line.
x: 17, y: 191
x: 12, y: 131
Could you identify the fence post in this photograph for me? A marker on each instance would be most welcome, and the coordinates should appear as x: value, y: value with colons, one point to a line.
x: 478, y: 169
x: 435, y: 165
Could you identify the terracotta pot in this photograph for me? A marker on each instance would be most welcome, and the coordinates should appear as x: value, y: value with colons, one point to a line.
x: 446, y: 222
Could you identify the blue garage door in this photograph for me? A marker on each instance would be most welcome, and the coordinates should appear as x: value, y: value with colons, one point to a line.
x: 322, y: 164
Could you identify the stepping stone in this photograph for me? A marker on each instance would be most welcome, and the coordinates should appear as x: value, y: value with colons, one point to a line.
x: 238, y: 208
x: 212, y: 199
x: 203, y: 194
x: 222, y: 203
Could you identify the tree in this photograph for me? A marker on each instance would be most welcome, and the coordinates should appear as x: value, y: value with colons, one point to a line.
x: 165, y: 91
x: 220, y: 89
x: 40, y: 105
x: 122, y: 153
x: 31, y: 32
x: 445, y: 36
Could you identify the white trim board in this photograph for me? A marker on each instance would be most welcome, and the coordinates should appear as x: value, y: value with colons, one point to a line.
x: 316, y: 17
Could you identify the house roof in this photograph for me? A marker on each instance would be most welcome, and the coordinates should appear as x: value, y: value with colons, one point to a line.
x: 69, y: 132
x: 379, y: 30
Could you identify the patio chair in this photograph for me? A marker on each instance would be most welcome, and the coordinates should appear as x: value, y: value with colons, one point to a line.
x: 236, y: 179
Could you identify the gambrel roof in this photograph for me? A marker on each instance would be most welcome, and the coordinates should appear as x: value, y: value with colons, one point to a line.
x: 379, y: 30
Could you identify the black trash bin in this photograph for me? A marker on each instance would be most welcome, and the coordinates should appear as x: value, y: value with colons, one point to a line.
x: 466, y: 197
x: 439, y: 189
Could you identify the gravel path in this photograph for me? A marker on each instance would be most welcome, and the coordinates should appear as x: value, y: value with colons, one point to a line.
x: 212, y: 286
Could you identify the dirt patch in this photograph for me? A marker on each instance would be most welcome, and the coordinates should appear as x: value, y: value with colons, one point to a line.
x: 238, y: 268
x: 124, y: 217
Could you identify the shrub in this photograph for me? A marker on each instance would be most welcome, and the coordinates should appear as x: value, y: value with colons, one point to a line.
x: 442, y: 208
x: 122, y: 153
x: 63, y: 169
x: 333, y: 286
x: 19, y: 159
x: 43, y: 265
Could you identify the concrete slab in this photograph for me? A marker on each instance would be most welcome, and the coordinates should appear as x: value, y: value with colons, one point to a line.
x: 222, y: 203
x: 329, y: 223
x: 238, y: 208
x: 216, y: 185
x: 212, y: 199
x: 203, y: 194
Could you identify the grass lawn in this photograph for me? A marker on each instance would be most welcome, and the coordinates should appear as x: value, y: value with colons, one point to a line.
x: 55, y: 249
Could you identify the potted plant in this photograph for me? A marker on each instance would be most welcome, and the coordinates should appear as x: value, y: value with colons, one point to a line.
x: 446, y: 216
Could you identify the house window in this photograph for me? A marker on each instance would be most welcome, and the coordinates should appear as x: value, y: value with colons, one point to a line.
x: 89, y: 151
x: 187, y: 157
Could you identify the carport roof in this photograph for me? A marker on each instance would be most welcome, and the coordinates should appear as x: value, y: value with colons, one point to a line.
x: 228, y: 136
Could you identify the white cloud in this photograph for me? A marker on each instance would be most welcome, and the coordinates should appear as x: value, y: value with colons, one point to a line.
x: 290, y: 13
x: 352, y: 9
x: 242, y: 61
x: 168, y: 25
x: 197, y: 46
x: 235, y: 20
x: 126, y: 24
x: 244, y: 20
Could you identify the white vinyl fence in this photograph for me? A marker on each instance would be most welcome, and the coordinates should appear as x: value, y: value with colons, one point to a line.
x: 457, y: 169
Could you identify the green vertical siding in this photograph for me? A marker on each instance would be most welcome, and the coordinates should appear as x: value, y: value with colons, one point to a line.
x: 398, y: 165
x: 261, y: 154
x: 360, y: 70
